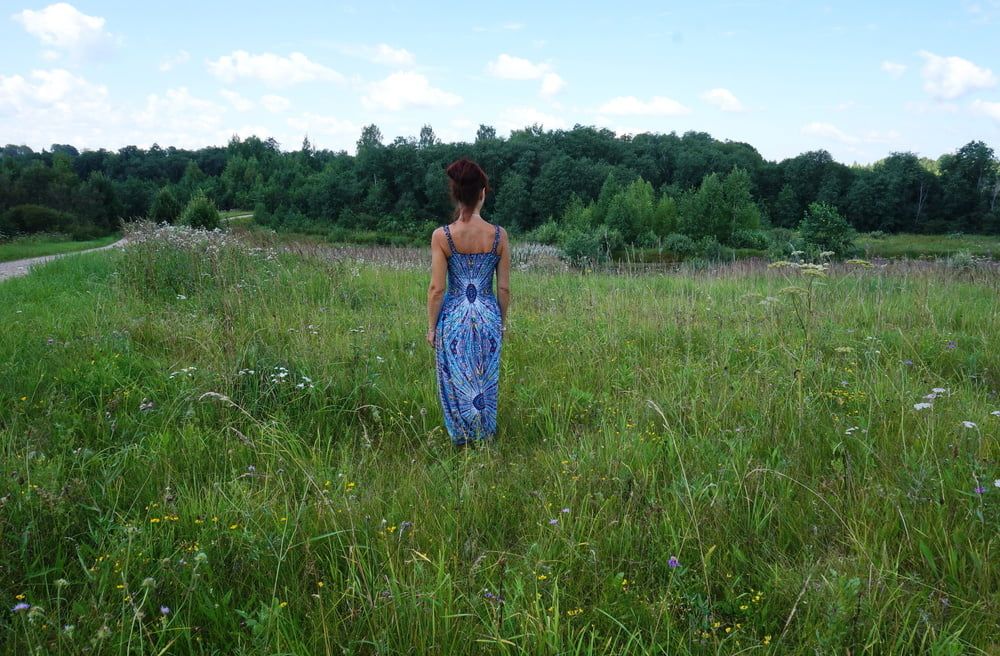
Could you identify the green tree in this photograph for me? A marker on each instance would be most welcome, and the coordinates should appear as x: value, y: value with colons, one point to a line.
x: 200, y: 213
x: 165, y: 207
x: 824, y: 229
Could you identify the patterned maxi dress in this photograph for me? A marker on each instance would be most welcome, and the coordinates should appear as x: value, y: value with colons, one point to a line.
x: 468, y: 345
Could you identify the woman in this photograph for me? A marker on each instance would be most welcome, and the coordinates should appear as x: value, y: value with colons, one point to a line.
x: 466, y: 326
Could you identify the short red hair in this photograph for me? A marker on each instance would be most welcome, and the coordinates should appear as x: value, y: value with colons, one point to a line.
x: 466, y: 179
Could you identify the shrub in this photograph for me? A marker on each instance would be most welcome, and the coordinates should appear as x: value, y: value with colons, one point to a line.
x: 680, y: 245
x: 581, y: 246
x: 709, y: 248
x: 755, y: 239
x: 200, y: 213
x: 824, y: 229
x: 546, y: 233
x: 165, y: 207
x: 876, y: 234
x: 35, y: 218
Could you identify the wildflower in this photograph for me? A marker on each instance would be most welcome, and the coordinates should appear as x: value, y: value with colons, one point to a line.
x: 980, y: 489
x: 148, y: 582
x: 541, y: 577
x: 673, y: 562
x: 744, y: 606
x: 939, y: 390
x: 61, y: 583
x: 565, y: 510
x: 20, y: 607
x: 995, y: 413
x: 319, y: 584
x: 951, y: 345
x: 969, y: 424
x: 922, y: 406
x: 908, y: 363
x: 283, y: 604
x: 200, y: 557
x: 233, y: 527
x: 553, y: 521
x: 996, y: 483
x: 164, y: 610
x: 574, y: 612
x: 767, y: 640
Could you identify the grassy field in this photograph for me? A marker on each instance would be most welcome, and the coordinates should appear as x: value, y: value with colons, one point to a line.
x: 37, y: 246
x: 215, y: 449
x: 904, y: 245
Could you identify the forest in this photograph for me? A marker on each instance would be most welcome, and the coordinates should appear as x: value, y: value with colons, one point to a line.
x: 575, y: 187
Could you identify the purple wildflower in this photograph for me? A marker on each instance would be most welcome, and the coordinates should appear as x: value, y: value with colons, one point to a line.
x: 951, y: 344
x: 565, y: 510
x: 553, y: 521
x: 20, y: 606
x: 980, y: 489
x: 164, y: 610
x: 673, y: 562
x: 908, y: 363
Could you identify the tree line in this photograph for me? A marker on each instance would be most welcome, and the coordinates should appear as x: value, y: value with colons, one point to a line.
x: 640, y: 187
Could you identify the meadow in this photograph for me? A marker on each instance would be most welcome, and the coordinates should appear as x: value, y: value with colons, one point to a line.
x: 216, y: 445
x: 46, y: 244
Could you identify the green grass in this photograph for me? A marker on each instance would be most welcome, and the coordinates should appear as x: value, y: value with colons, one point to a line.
x: 153, y: 455
x: 38, y: 246
x: 914, y: 246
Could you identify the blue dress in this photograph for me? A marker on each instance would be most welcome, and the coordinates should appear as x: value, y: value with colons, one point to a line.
x: 467, y: 349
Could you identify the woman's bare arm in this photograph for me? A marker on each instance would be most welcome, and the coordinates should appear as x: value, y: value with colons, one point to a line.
x: 503, y: 277
x: 439, y: 282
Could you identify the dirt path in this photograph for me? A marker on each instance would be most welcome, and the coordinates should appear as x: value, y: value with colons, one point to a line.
x: 16, y: 268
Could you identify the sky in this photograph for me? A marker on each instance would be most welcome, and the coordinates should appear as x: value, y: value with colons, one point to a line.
x: 859, y: 79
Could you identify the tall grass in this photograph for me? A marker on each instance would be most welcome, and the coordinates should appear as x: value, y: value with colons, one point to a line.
x: 212, y: 447
x: 47, y: 244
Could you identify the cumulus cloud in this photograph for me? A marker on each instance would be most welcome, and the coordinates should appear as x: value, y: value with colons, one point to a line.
x: 893, y: 68
x: 516, y: 118
x: 271, y: 69
x: 62, y: 27
x: 946, y: 78
x: 632, y: 106
x: 406, y: 89
x: 830, y: 132
x: 275, y: 104
x: 238, y: 102
x: 178, y: 118
x: 54, y: 106
x: 985, y: 108
x: 169, y: 63
x: 508, y: 67
x: 723, y: 99
x: 386, y: 54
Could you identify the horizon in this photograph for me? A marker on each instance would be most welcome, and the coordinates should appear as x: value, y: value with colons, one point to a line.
x: 857, y: 81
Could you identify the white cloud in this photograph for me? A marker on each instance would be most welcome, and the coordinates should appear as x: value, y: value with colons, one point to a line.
x: 516, y: 118
x: 182, y: 57
x: 946, y: 78
x: 54, y: 106
x: 275, y: 104
x: 508, y: 67
x: 386, y: 54
x: 632, y: 106
x: 63, y: 27
x: 343, y: 134
x: 551, y: 85
x: 238, y: 102
x: 406, y: 89
x: 893, y: 68
x: 723, y: 99
x: 991, y: 109
x: 180, y: 119
x: 271, y: 69
x: 828, y: 131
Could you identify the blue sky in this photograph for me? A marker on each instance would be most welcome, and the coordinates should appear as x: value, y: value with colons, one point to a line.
x: 859, y: 79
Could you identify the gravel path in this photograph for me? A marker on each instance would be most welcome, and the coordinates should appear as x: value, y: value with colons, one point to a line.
x: 23, y: 267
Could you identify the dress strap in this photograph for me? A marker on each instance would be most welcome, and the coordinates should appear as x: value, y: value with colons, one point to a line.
x: 496, y: 240
x: 451, y: 244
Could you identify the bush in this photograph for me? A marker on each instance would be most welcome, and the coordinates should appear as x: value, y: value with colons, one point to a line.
x: 26, y: 219
x: 581, y: 246
x: 680, y: 245
x: 754, y: 239
x: 546, y: 233
x: 200, y: 213
x: 165, y: 207
x: 709, y: 248
x: 824, y: 229
x: 876, y: 234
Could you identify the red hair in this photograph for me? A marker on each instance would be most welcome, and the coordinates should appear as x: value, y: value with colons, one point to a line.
x: 466, y: 179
